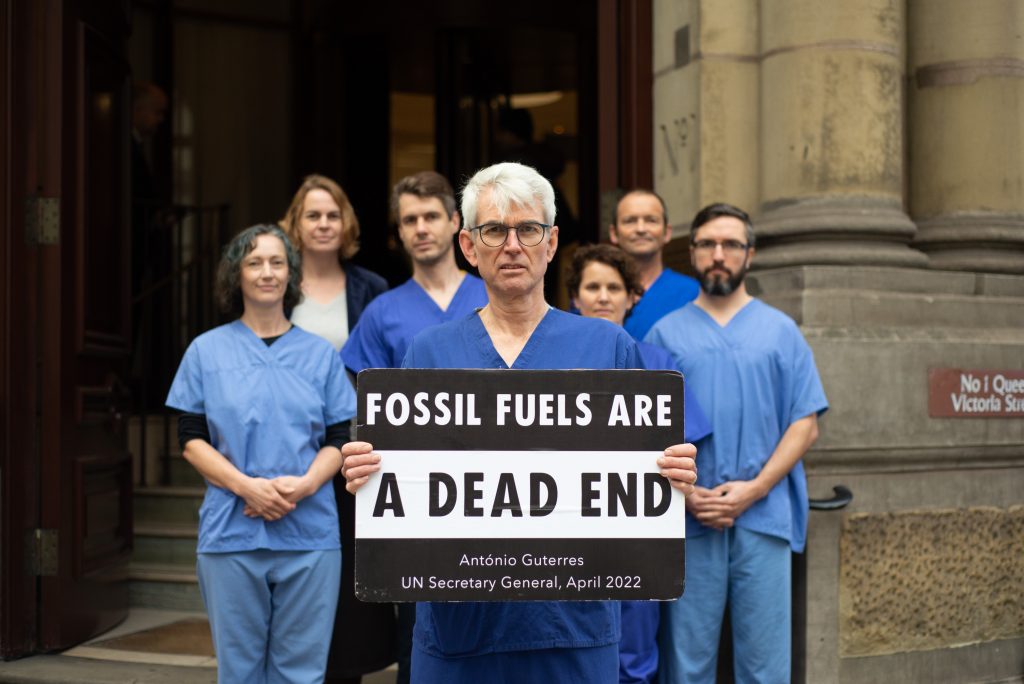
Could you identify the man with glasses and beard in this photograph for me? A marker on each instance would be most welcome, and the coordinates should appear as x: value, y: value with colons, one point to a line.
x: 754, y: 374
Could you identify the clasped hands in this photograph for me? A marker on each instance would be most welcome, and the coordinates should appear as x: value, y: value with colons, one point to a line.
x: 720, y: 506
x: 275, y: 498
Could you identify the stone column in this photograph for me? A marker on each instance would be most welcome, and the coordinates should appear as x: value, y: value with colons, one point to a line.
x: 966, y: 104
x: 912, y: 581
x: 832, y: 135
x: 705, y: 108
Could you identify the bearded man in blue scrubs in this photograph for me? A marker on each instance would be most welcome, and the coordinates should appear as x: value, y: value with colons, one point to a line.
x: 754, y: 375
x: 511, y: 238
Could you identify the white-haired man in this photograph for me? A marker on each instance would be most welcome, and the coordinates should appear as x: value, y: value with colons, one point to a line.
x: 510, y: 237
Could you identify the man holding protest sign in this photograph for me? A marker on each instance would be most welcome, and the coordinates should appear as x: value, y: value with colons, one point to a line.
x: 510, y: 237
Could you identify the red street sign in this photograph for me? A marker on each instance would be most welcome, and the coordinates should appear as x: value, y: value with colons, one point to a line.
x: 960, y: 393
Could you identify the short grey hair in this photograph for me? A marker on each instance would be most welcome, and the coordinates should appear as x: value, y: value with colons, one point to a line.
x: 511, y: 184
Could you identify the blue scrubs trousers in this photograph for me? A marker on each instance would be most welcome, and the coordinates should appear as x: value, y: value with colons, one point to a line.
x: 752, y: 572
x: 638, y: 648
x: 271, y: 613
x: 594, y: 665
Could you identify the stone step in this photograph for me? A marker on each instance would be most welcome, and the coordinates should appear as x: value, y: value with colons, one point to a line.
x: 171, y: 544
x: 168, y: 505
x: 151, y: 449
x: 161, y: 585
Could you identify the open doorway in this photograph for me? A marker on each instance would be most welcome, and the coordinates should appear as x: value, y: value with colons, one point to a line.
x: 453, y: 87
x: 260, y: 93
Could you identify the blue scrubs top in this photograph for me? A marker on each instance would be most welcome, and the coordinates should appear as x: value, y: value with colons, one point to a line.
x: 696, y: 424
x: 560, y: 341
x: 267, y: 409
x: 756, y: 377
x: 669, y: 292
x: 389, y: 323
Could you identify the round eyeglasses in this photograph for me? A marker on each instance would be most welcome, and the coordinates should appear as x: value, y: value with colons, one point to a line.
x: 529, y: 233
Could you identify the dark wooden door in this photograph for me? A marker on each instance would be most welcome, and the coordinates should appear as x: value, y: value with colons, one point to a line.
x: 19, y: 474
x: 87, y: 472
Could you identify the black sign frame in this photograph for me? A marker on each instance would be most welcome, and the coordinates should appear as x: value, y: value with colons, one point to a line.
x: 393, y: 566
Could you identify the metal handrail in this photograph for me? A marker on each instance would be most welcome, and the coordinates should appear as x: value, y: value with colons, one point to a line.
x: 173, y: 303
x: 843, y: 497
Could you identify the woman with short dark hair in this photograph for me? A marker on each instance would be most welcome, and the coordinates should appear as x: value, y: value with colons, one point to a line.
x: 266, y: 409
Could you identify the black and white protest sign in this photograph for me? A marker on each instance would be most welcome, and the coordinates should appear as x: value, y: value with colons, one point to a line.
x: 500, y: 485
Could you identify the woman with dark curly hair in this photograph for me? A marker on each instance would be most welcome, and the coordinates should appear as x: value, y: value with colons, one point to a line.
x: 603, y: 282
x: 266, y: 409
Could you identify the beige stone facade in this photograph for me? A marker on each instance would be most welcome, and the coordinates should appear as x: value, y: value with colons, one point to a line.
x: 921, y: 580
x: 879, y: 146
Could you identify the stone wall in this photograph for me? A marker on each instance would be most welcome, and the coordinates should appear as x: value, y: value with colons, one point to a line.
x: 918, y: 580
x: 877, y: 145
